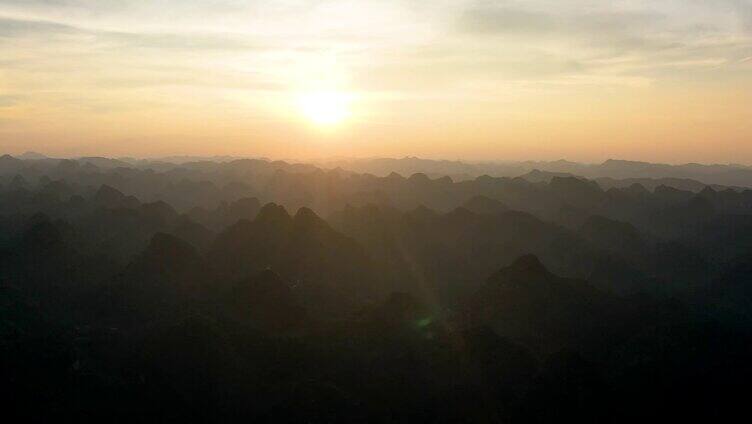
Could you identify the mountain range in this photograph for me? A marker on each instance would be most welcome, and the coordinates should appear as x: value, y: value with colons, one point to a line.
x: 181, y: 291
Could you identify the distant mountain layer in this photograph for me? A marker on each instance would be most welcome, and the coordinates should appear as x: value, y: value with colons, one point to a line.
x: 609, y: 174
x: 32, y: 156
x: 725, y: 175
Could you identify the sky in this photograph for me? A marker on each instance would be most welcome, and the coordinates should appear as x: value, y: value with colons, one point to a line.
x: 661, y: 80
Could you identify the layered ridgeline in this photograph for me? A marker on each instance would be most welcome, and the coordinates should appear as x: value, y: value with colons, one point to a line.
x: 206, y: 185
x: 266, y: 291
x: 625, y: 241
x: 432, y: 238
x: 611, y: 172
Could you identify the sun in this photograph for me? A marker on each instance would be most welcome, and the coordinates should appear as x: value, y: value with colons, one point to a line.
x: 325, y: 108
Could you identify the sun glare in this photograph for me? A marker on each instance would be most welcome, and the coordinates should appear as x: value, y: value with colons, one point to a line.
x: 325, y: 108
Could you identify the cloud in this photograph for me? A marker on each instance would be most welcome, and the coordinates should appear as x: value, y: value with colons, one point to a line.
x: 183, y: 41
x: 9, y: 100
x: 745, y: 13
x: 189, y: 77
x: 11, y: 28
x: 64, y: 66
x: 449, y: 67
x: 18, y: 28
x: 106, y: 6
x: 632, y: 39
x: 505, y: 20
x: 623, y: 28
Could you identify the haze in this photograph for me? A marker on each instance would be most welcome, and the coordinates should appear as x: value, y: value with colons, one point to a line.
x: 667, y: 81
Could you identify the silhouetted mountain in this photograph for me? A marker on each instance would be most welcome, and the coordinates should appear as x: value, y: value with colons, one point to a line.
x: 539, y: 171
x: 18, y: 183
x: 192, y: 232
x: 100, y: 162
x: 194, y: 366
x: 484, y: 205
x: 573, y: 387
x: 732, y: 292
x: 264, y: 301
x: 576, y: 192
x: 10, y: 165
x: 525, y: 302
x: 651, y: 184
x: 326, y: 266
x: 612, y: 235
x: 109, y: 197
x: 169, y: 277
x: 538, y: 176
x: 32, y: 156
x: 400, y: 310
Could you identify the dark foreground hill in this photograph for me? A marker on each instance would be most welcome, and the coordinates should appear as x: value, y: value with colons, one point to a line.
x: 529, y: 346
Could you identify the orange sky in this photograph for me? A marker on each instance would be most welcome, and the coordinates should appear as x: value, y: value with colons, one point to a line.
x: 667, y: 81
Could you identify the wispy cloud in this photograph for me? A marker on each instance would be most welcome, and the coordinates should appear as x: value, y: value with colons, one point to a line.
x: 8, y: 101
x: 10, y: 28
x: 639, y: 40
x: 19, y: 28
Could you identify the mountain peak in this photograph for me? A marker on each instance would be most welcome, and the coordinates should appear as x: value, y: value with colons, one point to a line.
x: 616, y: 162
x: 572, y: 182
x: 305, y: 213
x: 524, y: 270
x: 32, y: 156
x: 446, y: 179
x: 459, y: 214
x: 395, y: 176
x: 419, y: 177
x: 272, y: 212
x: 307, y: 218
x: 422, y: 212
x: 108, y: 194
x: 637, y: 189
x: 528, y: 264
x: 485, y: 179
